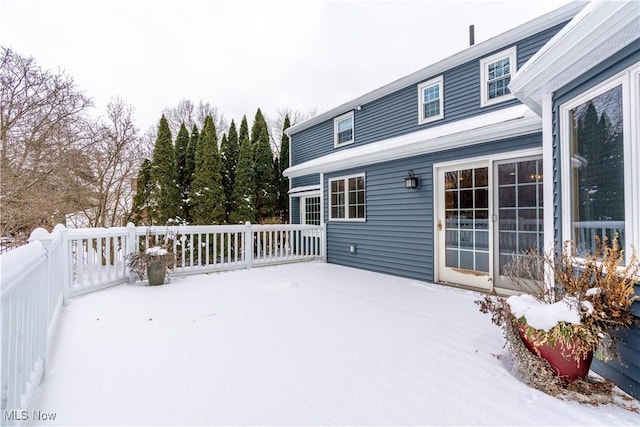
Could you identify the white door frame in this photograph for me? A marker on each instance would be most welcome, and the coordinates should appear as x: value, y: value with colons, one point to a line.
x: 438, y: 202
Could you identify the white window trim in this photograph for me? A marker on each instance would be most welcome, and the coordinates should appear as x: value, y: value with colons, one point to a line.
x: 335, y: 129
x: 631, y: 132
x: 511, y: 53
x: 346, y: 197
x: 437, y: 81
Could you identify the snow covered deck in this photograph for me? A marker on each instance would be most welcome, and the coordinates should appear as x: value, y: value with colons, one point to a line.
x: 299, y: 344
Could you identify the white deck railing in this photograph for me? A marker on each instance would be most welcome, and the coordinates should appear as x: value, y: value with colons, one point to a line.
x: 31, y: 299
x: 37, y: 278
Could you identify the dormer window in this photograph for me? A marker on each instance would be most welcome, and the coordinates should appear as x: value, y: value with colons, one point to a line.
x: 430, y: 101
x: 495, y: 74
x: 343, y: 130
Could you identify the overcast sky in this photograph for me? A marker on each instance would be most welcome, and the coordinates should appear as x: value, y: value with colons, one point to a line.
x: 240, y: 55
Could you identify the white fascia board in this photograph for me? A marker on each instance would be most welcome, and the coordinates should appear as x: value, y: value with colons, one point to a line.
x: 501, y: 124
x: 598, y: 31
x: 304, y: 189
x: 476, y: 51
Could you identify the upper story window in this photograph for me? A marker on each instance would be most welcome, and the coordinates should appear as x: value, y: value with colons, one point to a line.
x: 430, y: 101
x: 495, y: 74
x: 347, y: 195
x: 343, y: 130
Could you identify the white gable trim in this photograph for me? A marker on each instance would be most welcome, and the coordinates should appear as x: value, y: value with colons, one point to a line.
x: 597, y: 32
x: 501, y: 124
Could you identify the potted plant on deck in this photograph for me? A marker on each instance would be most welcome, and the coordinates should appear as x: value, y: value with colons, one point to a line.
x: 154, y: 262
x: 554, y: 328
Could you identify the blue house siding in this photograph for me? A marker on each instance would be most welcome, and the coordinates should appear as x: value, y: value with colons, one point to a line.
x: 397, y: 113
x: 626, y: 374
x: 312, y: 143
x: 397, y: 237
x: 294, y: 208
x: 304, y: 181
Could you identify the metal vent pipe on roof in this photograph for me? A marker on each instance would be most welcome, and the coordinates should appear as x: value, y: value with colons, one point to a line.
x: 472, y: 38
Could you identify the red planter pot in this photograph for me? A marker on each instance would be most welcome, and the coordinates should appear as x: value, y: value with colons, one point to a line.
x: 564, y: 366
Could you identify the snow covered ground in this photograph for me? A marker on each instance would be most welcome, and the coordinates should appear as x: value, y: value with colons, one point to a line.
x: 301, y: 344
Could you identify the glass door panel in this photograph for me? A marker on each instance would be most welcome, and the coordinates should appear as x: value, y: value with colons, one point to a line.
x: 466, y: 224
x: 519, y: 212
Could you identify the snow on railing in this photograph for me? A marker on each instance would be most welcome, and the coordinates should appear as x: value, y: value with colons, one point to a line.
x: 31, y: 299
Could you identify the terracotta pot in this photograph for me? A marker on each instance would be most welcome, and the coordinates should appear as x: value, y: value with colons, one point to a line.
x: 564, y: 366
x: 156, y: 271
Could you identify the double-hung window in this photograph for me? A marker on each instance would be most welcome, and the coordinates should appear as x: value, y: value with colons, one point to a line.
x: 430, y: 101
x: 347, y: 196
x: 343, y: 130
x: 601, y: 163
x: 495, y: 75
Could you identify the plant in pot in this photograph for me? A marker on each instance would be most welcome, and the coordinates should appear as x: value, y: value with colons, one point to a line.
x: 155, y: 262
x: 570, y: 309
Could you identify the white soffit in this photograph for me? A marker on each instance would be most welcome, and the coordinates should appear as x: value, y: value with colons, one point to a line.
x: 305, y: 189
x: 501, y: 124
x: 597, y: 32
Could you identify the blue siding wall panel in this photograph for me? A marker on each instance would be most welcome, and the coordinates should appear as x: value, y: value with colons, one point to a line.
x: 397, y: 237
x: 295, y: 210
x: 303, y: 181
x: 626, y: 374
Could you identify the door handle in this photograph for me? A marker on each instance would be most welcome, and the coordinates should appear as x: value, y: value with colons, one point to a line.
x: 439, y: 225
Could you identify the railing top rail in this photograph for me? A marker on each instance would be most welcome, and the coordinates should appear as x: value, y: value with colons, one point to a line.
x: 269, y: 227
x: 77, y: 233
x: 598, y: 224
x: 143, y: 230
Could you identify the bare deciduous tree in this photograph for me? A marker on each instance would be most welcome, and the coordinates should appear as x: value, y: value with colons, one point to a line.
x: 117, y: 152
x: 190, y: 114
x: 42, y: 145
x: 274, y: 124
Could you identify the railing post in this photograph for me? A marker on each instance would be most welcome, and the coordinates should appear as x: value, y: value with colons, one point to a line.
x: 66, y: 267
x: 131, y: 247
x: 323, y: 242
x: 248, y: 244
x: 42, y: 305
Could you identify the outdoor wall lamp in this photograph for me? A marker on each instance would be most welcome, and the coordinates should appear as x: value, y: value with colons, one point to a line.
x: 411, y: 180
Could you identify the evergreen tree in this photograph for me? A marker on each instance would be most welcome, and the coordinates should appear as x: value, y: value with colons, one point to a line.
x: 190, y: 167
x: 244, y: 130
x: 282, y: 206
x: 259, y: 123
x: 207, y: 195
x: 143, y: 193
x: 229, y: 152
x: 244, y: 189
x: 264, y: 175
x: 165, y: 194
x: 184, y: 178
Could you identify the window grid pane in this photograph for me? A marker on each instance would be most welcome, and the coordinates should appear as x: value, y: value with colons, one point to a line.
x: 337, y: 199
x: 312, y: 210
x: 347, y: 198
x: 498, y: 78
